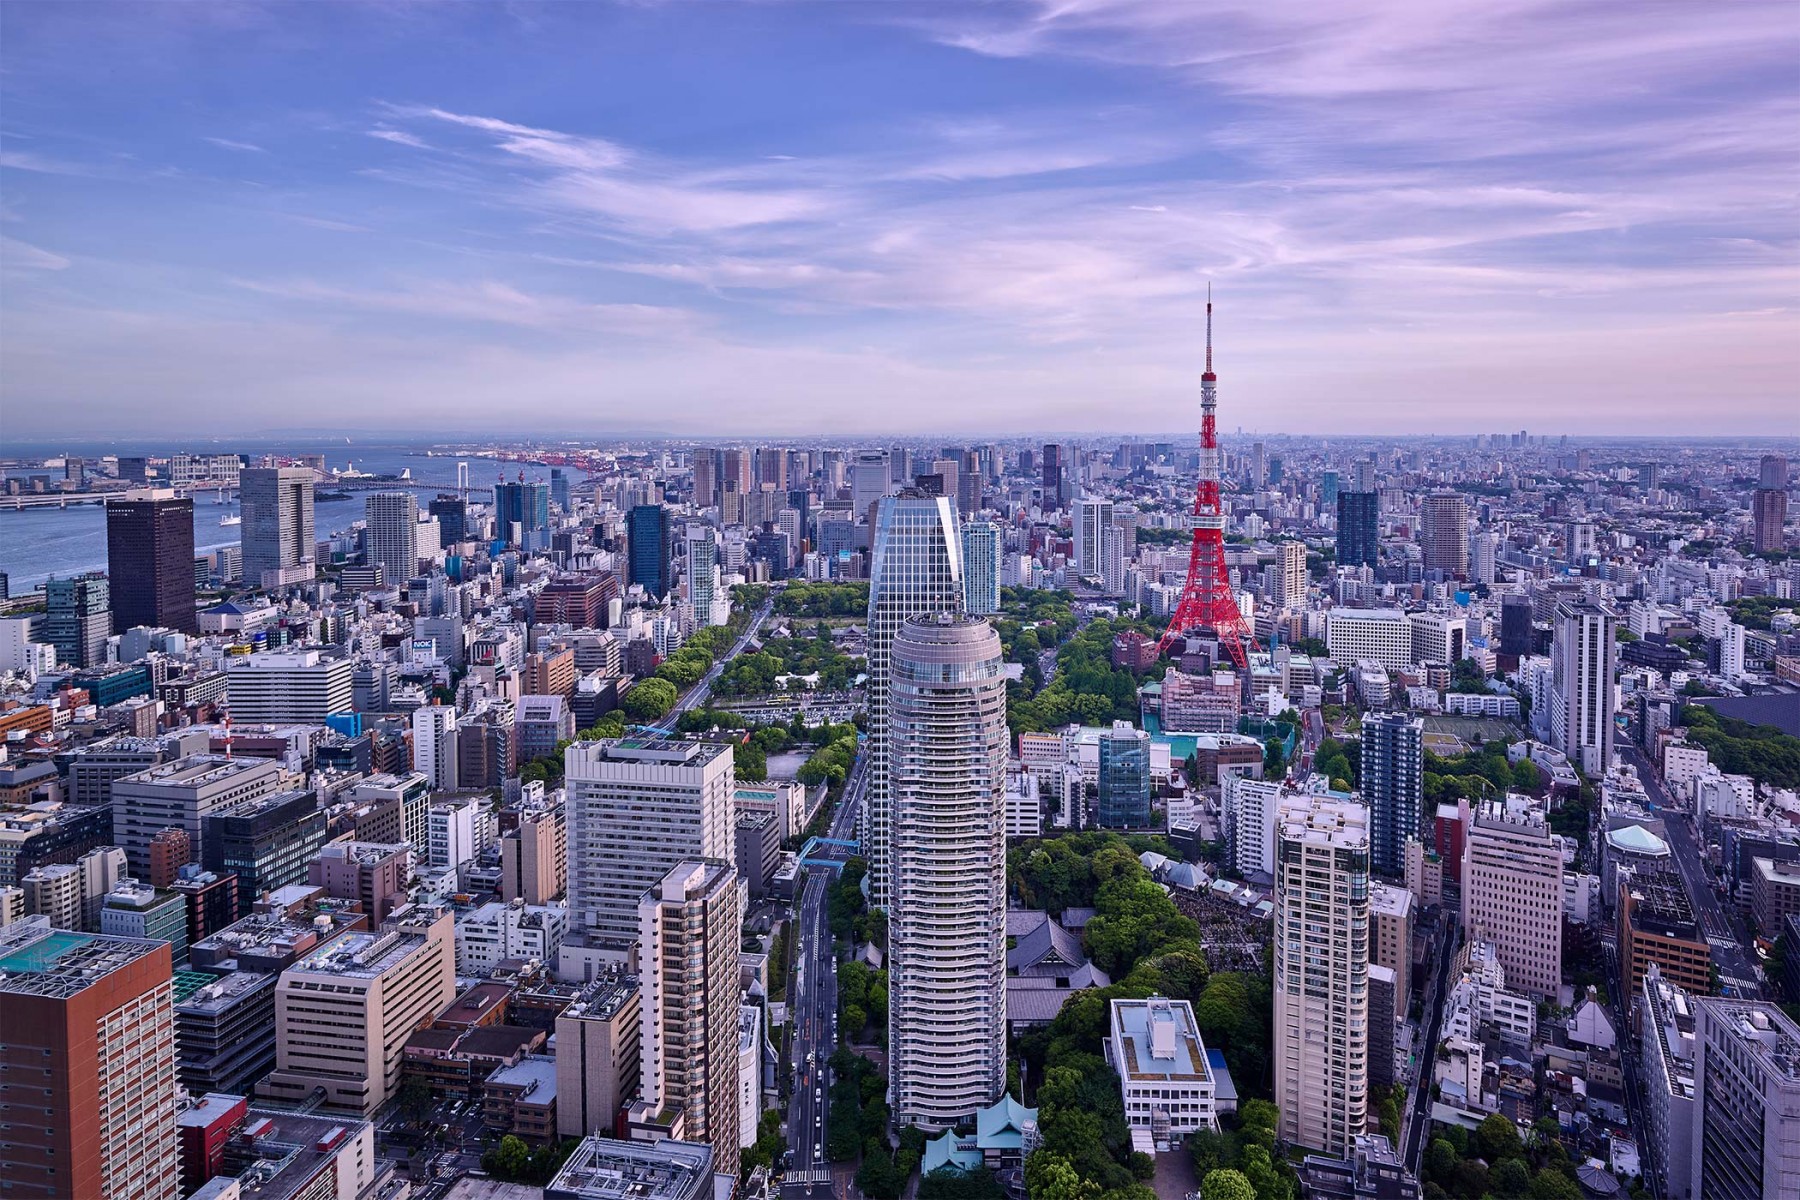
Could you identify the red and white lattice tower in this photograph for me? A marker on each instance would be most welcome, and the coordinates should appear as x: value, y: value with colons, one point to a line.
x: 1207, y: 602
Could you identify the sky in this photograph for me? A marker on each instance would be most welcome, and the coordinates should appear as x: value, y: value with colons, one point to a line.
x: 871, y: 218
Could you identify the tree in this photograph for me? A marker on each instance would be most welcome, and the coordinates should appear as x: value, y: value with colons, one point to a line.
x: 649, y: 700
x: 1553, y: 1185
x: 1497, y: 1138
x: 511, y: 1159
x: 1226, y: 1184
x: 1050, y: 1176
x: 1440, y: 1161
x: 1510, y: 1177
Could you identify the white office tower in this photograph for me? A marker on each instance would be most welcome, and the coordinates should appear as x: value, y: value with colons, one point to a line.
x: 915, y: 569
x: 276, y: 534
x: 947, y: 924
x: 1484, y: 554
x: 1512, y: 892
x: 1092, y: 514
x: 869, y: 479
x: 1322, y: 972
x: 704, y: 595
x: 687, y: 926
x: 638, y: 806
x: 1582, y: 659
x: 1290, y: 575
x: 1250, y: 806
x: 391, y: 537
x: 1116, y: 544
x: 981, y: 567
x: 434, y: 745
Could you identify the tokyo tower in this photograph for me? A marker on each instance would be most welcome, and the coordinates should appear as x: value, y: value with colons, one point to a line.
x: 1207, y: 602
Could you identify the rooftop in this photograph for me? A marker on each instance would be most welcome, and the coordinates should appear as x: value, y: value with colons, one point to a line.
x: 536, y: 1073
x: 1765, y: 1031
x: 1385, y: 900
x: 276, y: 1153
x: 224, y: 992
x: 62, y: 964
x: 197, y: 771
x: 602, y: 999
x: 361, y: 955
x: 1159, y: 1040
x: 604, y: 1168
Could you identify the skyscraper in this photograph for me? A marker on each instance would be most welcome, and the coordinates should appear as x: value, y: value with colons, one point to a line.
x: 434, y: 745
x: 389, y: 539
x: 647, y: 534
x: 702, y: 578
x: 1393, y: 785
x: 1583, y: 658
x: 1052, y: 480
x: 1359, y: 529
x: 1092, y: 514
x: 947, y: 931
x: 707, y: 467
x: 638, y: 806
x: 277, y: 531
x: 1321, y: 972
x: 1768, y: 505
x: 1290, y: 574
x: 87, y: 1032
x: 915, y: 569
x: 78, y: 619
x: 1444, y: 532
x: 1124, y: 793
x: 688, y: 979
x: 150, y: 559
x: 522, y: 514
x: 981, y: 567
x: 452, y: 515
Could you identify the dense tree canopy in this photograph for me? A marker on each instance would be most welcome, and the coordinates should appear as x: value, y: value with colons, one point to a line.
x: 1763, y: 752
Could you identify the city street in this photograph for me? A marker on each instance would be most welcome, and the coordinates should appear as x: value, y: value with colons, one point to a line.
x: 812, y: 1008
x: 700, y: 692
x: 1417, y: 1119
x: 1737, y: 967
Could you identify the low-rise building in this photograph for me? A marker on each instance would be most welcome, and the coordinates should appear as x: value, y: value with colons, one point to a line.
x: 1164, y: 1077
x: 521, y: 1100
x: 496, y: 932
x: 604, y: 1168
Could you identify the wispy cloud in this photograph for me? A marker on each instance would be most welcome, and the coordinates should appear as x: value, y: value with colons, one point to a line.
x: 400, y: 138
x: 23, y: 255
x: 244, y: 147
x: 486, y: 302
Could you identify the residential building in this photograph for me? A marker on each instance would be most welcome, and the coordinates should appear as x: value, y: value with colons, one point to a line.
x: 1290, y: 575
x: 150, y: 559
x: 1165, y: 1080
x: 1444, y: 533
x: 1321, y: 972
x: 598, y: 1048
x: 981, y: 551
x: 638, y: 806
x: 1371, y: 1171
x: 1393, y: 785
x: 688, y: 938
x: 88, y: 1039
x: 181, y: 794
x: 1512, y: 892
x: 1250, y: 806
x: 1746, y: 1112
x: 434, y: 745
x: 947, y: 928
x: 390, y: 540
x: 1774, y: 894
x: 1390, y: 940
x: 456, y: 831
x: 342, y: 1012
x: 277, y: 531
x: 393, y: 808
x: 1583, y: 663
x: 534, y: 858
x: 915, y: 569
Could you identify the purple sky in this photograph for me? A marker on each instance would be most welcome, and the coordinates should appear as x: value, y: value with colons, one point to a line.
x: 881, y: 218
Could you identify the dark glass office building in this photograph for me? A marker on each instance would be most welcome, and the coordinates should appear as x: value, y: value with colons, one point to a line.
x: 521, y: 511
x: 150, y: 560
x: 452, y: 513
x: 1124, y: 778
x: 1359, y: 529
x: 267, y: 842
x: 647, y: 532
